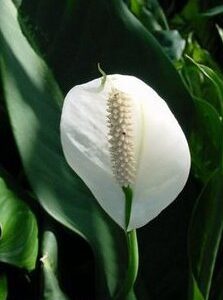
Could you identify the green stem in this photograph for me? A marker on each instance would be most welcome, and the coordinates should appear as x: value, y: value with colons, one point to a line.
x: 133, y: 260
x: 128, y: 204
x: 133, y: 253
x: 133, y: 263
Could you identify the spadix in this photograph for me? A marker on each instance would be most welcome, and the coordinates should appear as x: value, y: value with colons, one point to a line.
x: 123, y: 134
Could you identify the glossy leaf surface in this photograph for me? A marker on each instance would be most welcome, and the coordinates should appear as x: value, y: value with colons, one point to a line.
x: 18, y: 242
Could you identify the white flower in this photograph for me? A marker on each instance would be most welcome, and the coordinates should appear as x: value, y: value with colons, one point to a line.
x: 124, y: 134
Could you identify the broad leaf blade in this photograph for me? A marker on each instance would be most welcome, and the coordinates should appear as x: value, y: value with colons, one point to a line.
x: 122, y: 45
x: 18, y: 243
x: 37, y: 135
x: 33, y: 101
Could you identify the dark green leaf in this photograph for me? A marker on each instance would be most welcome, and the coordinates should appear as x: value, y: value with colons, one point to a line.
x: 155, y: 69
x: 150, y: 14
x: 205, y: 235
x: 206, y: 138
x: 33, y: 101
x: 152, y: 17
x: 200, y: 55
x: 206, y: 142
x: 3, y: 287
x: 203, y: 28
x: 18, y: 243
x: 172, y: 43
x: 216, y: 81
x: 119, y: 42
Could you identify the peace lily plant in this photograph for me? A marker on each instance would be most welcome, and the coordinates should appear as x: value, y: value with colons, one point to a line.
x: 122, y: 139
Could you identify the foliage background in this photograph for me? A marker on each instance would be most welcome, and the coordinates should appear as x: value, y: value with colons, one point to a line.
x: 47, y: 47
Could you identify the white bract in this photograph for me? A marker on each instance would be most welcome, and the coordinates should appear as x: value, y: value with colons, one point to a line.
x: 124, y: 134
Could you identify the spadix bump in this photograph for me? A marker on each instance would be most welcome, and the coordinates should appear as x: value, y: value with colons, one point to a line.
x: 121, y: 144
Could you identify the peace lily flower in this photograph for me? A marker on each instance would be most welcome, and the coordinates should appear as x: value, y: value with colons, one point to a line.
x: 122, y: 134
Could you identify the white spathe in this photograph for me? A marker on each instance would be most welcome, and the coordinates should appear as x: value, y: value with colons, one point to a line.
x: 161, y: 150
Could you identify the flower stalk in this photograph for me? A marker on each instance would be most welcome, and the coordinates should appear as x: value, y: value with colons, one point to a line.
x: 133, y: 263
x: 133, y: 253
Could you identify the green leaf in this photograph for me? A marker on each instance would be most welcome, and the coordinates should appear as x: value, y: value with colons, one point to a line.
x: 205, y: 141
x: 51, y: 288
x: 220, y: 32
x: 215, y: 79
x: 153, y: 62
x: 18, y: 243
x: 200, y: 55
x: 217, y: 82
x: 150, y: 14
x: 191, y: 20
x: 3, y: 287
x: 194, y: 292
x: 152, y: 17
x: 206, y: 138
x: 33, y: 100
x: 205, y: 235
x: 212, y: 12
x: 172, y: 43
x: 116, y: 39
x: 34, y: 104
